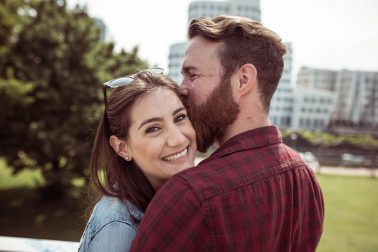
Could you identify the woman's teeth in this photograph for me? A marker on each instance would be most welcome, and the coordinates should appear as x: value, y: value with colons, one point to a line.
x: 174, y: 157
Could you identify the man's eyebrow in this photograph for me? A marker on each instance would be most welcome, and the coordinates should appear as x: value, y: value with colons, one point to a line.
x: 187, y: 69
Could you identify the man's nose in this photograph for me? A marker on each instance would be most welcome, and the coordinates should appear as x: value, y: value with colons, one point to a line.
x: 185, y: 88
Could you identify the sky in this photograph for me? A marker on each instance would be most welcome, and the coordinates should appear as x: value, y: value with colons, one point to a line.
x: 325, y: 34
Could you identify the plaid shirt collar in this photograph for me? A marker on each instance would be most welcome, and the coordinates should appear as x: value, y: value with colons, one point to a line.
x: 255, y: 138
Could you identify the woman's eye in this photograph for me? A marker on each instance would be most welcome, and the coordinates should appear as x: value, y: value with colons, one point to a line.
x: 180, y: 117
x: 152, y: 129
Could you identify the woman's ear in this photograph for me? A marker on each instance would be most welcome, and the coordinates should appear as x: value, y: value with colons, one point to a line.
x: 120, y: 147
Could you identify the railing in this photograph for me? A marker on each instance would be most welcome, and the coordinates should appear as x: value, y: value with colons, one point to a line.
x: 16, y: 244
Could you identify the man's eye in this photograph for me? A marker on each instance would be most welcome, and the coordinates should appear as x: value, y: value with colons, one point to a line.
x: 180, y: 117
x: 152, y: 129
x: 192, y: 76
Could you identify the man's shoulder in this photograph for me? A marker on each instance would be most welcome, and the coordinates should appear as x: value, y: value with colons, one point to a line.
x: 206, y: 178
x: 190, y: 182
x: 219, y: 174
x: 204, y: 170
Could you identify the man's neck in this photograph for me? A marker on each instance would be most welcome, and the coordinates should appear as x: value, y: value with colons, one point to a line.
x: 243, y: 124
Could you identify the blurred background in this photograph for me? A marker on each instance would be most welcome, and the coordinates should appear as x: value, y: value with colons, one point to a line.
x: 54, y: 55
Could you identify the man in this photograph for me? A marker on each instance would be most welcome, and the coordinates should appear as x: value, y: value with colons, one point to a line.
x: 253, y: 193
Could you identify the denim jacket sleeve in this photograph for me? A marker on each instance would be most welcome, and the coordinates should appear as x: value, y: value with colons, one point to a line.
x: 110, y: 227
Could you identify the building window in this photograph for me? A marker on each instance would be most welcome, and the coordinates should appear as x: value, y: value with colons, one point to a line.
x: 308, y: 122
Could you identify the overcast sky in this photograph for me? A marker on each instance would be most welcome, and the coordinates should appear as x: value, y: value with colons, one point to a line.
x: 328, y: 34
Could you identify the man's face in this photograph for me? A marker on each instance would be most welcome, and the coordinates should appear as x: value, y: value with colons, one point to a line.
x: 209, y: 98
x: 201, y: 69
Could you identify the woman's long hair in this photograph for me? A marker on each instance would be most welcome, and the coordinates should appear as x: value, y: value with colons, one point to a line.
x: 111, y: 175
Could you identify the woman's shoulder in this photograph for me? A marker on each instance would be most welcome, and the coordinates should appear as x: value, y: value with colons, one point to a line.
x: 110, y: 209
x: 110, y: 217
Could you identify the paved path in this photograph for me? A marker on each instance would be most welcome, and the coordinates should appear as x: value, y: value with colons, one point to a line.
x: 349, y: 171
x: 336, y: 170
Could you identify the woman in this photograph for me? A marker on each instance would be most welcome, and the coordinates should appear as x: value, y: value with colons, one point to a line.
x: 144, y: 138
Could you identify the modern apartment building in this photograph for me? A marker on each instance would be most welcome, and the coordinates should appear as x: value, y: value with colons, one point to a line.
x: 339, y: 98
x: 312, y: 108
x: 176, y: 55
x: 281, y: 107
x: 357, y: 99
x: 317, y: 78
x: 314, y: 98
x: 103, y: 29
x: 244, y: 8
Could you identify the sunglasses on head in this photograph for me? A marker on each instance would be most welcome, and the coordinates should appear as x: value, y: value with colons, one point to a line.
x: 122, y: 81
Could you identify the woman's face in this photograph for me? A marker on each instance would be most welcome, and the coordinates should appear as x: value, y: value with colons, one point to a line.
x: 161, y: 139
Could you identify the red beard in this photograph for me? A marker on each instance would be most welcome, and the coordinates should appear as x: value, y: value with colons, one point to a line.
x: 211, y: 118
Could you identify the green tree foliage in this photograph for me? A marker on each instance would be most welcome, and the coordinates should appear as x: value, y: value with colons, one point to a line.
x: 52, y: 65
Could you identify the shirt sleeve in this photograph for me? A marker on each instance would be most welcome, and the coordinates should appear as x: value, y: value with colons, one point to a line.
x: 175, y: 220
x: 115, y: 236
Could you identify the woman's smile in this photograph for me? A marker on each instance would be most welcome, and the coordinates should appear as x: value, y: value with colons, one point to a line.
x: 177, y: 157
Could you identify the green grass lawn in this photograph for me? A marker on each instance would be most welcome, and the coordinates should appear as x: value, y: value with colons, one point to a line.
x: 351, y: 212
x: 25, y: 178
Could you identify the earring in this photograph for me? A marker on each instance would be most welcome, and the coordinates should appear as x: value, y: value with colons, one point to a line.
x: 124, y: 156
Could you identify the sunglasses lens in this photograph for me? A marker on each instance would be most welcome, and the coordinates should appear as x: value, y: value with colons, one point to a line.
x: 118, y: 82
x: 156, y: 70
x: 126, y: 80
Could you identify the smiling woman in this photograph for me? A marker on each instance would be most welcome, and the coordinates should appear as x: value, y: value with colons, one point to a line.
x: 144, y: 138
x: 161, y: 138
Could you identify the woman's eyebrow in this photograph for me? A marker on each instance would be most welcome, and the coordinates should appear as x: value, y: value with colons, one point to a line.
x: 154, y: 119
x: 178, y: 110
x: 159, y: 119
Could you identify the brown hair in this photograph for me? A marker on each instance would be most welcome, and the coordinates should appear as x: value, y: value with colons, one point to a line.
x: 245, y: 41
x: 123, y: 179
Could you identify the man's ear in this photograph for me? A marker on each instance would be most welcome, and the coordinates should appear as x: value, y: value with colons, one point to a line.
x: 247, y: 79
x: 120, y: 147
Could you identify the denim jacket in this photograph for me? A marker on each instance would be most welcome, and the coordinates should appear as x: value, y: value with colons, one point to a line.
x: 110, y: 227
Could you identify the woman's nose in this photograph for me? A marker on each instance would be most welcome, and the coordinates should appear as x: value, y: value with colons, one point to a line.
x: 175, y: 137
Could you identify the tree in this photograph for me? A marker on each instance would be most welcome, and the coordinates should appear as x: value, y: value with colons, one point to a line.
x: 51, y: 68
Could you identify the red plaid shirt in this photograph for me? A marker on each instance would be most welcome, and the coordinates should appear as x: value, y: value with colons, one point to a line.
x: 252, y: 194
